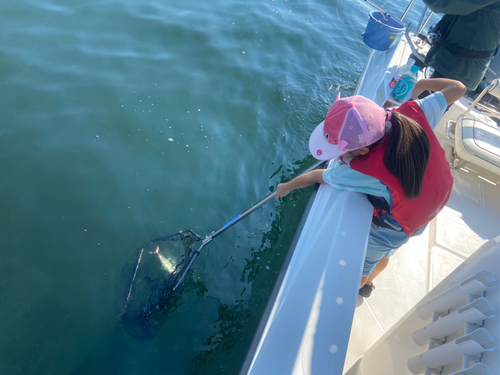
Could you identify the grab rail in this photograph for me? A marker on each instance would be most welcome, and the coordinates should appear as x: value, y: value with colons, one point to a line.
x: 375, y: 6
x: 407, y: 10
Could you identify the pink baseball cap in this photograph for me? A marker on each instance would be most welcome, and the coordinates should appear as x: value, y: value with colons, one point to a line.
x: 351, y: 123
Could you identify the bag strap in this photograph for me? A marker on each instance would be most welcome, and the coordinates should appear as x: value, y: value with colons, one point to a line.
x: 380, y: 223
x: 380, y: 204
x: 463, y: 52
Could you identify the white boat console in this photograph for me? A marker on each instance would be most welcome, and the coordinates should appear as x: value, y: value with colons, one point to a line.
x: 476, y: 136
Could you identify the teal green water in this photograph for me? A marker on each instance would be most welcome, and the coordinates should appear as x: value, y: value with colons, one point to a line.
x: 123, y: 121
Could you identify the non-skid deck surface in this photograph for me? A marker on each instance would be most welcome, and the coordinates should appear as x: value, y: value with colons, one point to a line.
x: 462, y: 227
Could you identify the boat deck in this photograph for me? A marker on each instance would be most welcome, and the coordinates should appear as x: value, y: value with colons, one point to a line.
x: 471, y: 217
x: 417, y: 267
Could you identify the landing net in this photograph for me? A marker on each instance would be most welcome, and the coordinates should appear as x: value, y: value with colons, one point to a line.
x: 152, y: 280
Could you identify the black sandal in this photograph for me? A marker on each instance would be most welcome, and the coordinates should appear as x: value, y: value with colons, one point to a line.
x: 366, y: 290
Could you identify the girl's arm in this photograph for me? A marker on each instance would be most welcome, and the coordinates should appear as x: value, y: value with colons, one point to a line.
x: 314, y: 177
x: 452, y: 90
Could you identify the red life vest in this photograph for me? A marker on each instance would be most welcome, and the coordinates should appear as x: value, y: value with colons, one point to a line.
x: 437, y: 183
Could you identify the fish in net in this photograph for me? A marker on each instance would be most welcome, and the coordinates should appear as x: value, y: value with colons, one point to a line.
x: 151, y: 281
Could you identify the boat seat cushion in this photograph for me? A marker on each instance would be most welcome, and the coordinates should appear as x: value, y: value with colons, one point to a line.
x: 479, y: 143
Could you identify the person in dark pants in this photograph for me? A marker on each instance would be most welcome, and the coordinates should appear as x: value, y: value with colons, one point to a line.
x: 467, y: 38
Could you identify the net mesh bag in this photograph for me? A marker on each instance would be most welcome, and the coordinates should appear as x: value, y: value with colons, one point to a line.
x: 151, y: 281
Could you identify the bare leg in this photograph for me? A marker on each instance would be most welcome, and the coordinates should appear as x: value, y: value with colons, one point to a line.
x: 363, y: 281
x: 378, y: 268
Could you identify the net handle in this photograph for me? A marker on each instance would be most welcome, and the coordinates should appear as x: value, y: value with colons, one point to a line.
x: 232, y: 222
x: 255, y: 207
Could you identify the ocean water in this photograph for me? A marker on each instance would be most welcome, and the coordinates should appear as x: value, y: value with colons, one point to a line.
x: 123, y: 121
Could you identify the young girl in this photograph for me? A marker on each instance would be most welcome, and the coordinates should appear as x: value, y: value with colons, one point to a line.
x: 393, y: 157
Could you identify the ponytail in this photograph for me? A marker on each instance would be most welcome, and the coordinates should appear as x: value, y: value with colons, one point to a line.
x: 407, y: 154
